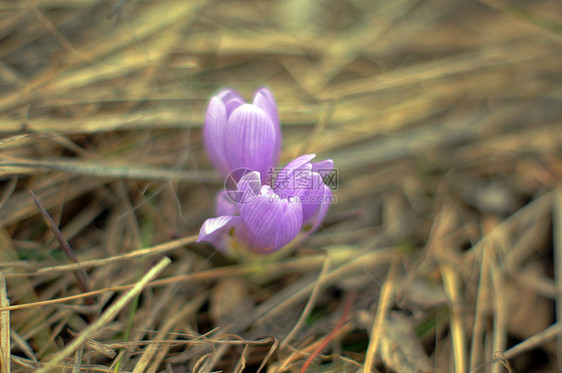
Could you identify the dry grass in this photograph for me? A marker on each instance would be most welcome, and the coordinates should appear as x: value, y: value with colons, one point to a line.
x: 444, y: 121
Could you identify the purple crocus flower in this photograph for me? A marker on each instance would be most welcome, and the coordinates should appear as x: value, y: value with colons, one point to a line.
x: 263, y: 219
x: 242, y: 136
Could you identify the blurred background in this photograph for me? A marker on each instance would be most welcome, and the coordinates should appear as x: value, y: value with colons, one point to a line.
x: 443, y: 120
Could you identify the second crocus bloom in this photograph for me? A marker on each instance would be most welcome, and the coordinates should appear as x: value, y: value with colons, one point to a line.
x: 260, y: 219
x: 238, y: 135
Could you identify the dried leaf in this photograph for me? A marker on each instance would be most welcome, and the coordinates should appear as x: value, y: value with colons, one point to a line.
x: 400, y: 349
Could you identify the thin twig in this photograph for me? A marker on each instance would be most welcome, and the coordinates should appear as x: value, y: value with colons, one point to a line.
x: 79, y: 273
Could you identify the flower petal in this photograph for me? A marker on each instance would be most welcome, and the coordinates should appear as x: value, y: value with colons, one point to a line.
x: 228, y: 94
x: 300, y: 161
x: 249, y: 187
x: 214, y: 133
x: 294, y: 178
x: 263, y: 98
x: 251, y: 144
x: 272, y: 222
x: 323, y: 167
x: 315, y: 203
x: 231, y: 100
x: 220, y: 231
x: 225, y: 205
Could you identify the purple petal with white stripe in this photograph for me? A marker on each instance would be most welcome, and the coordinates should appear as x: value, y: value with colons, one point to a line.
x: 315, y: 207
x: 251, y: 144
x: 214, y: 132
x: 294, y: 178
x: 249, y: 187
x: 272, y: 222
x: 222, y: 230
x: 225, y: 204
x: 263, y: 98
x: 231, y: 100
x: 323, y: 167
